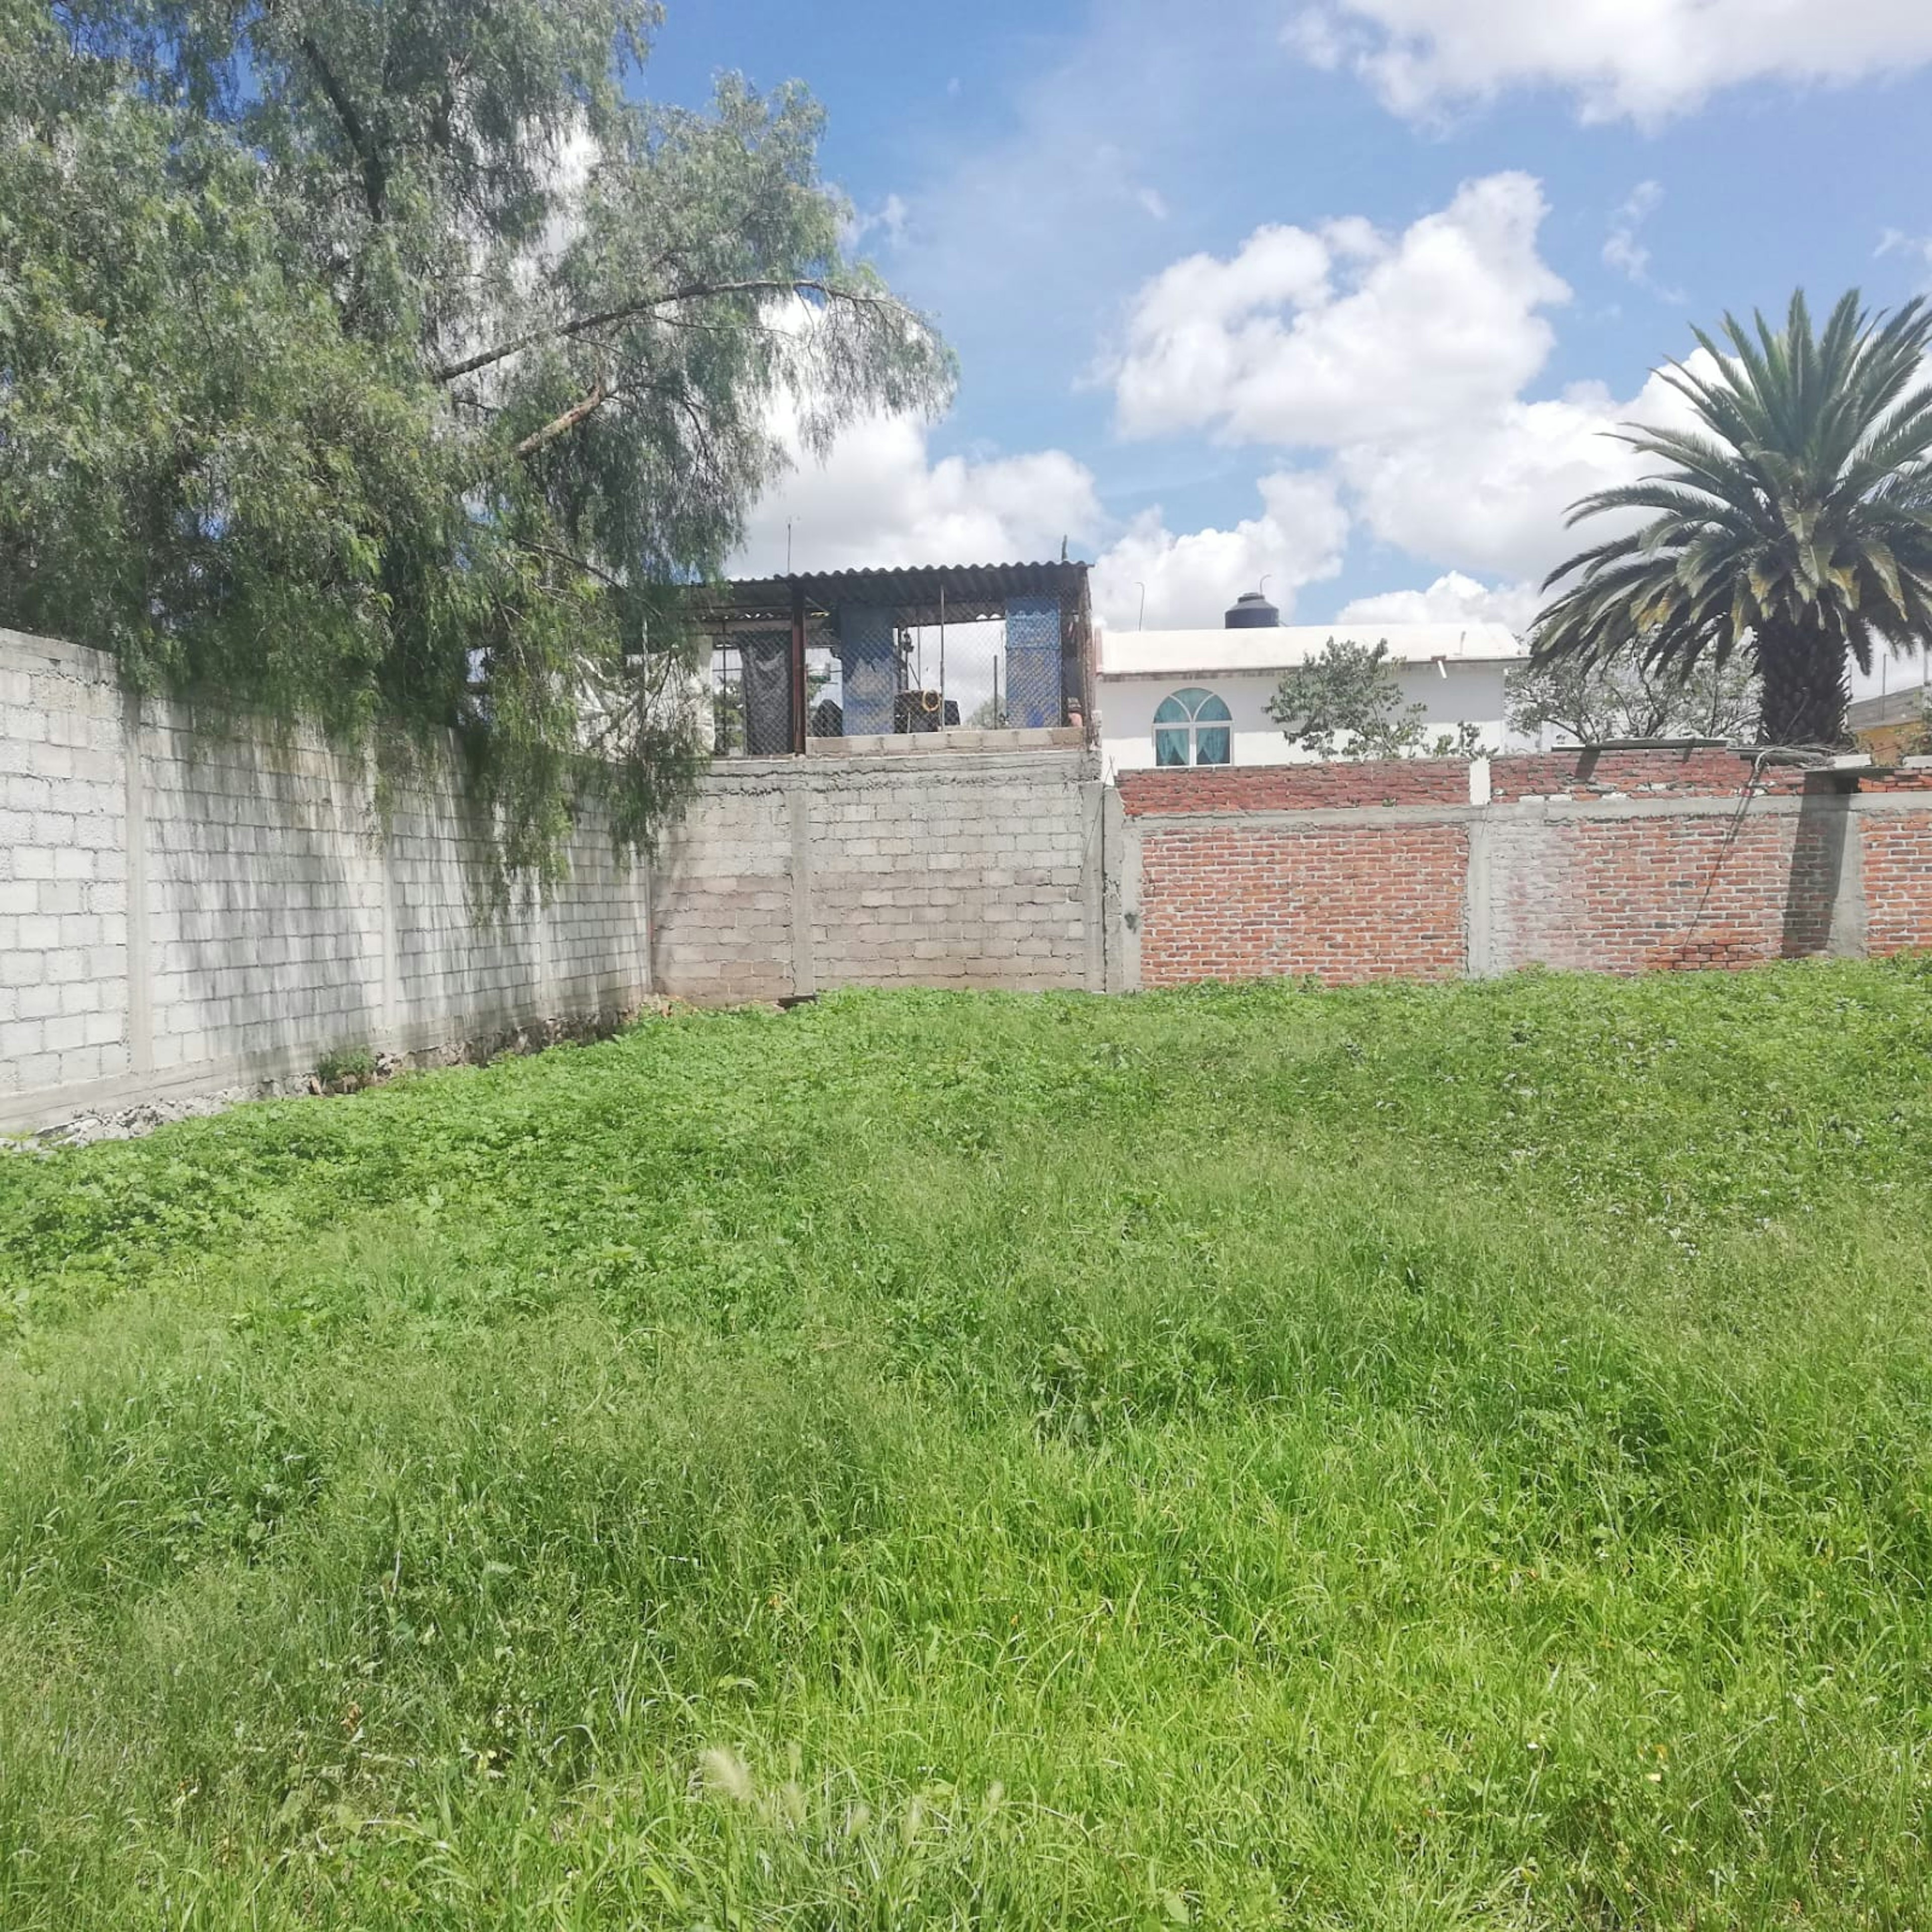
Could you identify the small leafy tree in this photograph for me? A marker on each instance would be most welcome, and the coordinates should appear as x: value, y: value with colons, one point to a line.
x: 1347, y: 703
x: 1623, y: 696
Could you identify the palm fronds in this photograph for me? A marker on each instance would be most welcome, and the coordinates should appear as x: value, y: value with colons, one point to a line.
x: 1794, y: 523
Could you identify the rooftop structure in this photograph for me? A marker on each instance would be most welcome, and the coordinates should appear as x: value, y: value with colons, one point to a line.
x: 851, y: 660
x: 1891, y: 725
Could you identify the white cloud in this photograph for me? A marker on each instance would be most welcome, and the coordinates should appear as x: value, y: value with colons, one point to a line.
x: 1451, y: 599
x: 1624, y: 250
x: 1345, y: 334
x: 1153, y: 201
x: 887, y: 220
x: 1190, y: 580
x: 1405, y: 357
x: 880, y: 498
x: 1640, y: 60
x: 1492, y: 494
x: 1916, y: 248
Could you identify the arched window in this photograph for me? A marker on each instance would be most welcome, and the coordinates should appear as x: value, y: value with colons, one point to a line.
x: 1192, y: 728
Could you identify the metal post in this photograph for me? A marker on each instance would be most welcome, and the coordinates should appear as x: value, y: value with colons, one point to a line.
x: 797, y: 667
x: 942, y: 653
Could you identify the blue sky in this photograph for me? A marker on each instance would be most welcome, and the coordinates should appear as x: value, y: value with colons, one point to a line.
x: 1344, y: 295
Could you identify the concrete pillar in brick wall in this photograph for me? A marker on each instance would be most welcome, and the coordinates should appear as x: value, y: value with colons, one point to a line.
x: 1479, y: 911
x: 1121, y: 891
x: 1846, y: 938
x: 1093, y: 881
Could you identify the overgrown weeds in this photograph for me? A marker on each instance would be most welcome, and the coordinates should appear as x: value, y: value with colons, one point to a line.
x: 1399, y: 1458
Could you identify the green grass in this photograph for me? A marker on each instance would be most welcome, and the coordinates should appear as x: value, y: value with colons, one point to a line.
x: 1397, y: 1458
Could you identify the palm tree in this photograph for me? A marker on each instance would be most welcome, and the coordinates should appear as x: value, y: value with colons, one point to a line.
x: 1795, y: 525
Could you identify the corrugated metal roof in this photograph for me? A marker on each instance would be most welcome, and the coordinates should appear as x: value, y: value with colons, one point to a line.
x: 911, y: 591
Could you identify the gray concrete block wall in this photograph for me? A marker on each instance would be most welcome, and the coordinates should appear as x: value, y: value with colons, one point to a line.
x: 64, y: 978
x: 449, y: 967
x: 954, y: 869
x: 597, y: 937
x: 585, y: 953
x: 722, y: 890
x: 956, y: 876
x: 264, y: 866
x: 186, y: 905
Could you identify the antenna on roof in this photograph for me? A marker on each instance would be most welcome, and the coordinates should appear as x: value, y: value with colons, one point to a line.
x: 1063, y: 549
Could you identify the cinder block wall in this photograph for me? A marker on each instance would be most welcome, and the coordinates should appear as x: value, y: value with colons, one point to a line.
x: 64, y: 995
x: 949, y: 869
x: 184, y: 906
x: 1617, y: 862
x: 721, y: 891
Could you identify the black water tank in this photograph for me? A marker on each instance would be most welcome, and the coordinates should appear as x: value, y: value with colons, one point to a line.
x: 1251, y: 611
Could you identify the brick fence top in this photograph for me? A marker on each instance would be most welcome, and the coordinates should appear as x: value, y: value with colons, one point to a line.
x: 1585, y: 773
x: 1688, y: 771
x: 1302, y: 787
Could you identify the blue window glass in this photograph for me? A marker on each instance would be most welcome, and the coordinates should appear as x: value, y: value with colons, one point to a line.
x: 1192, y: 728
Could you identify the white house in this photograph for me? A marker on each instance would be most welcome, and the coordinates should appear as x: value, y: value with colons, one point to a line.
x: 1201, y: 696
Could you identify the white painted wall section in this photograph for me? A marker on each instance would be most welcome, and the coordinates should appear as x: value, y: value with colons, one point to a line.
x: 1456, y: 672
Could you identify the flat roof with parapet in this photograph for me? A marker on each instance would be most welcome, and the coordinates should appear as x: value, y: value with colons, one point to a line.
x: 1185, y: 653
x: 916, y: 594
x: 1891, y: 707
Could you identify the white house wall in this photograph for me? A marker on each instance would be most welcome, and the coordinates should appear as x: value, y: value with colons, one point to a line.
x: 1452, y: 694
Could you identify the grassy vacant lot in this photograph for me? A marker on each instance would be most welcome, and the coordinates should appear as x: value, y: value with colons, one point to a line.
x: 1395, y: 1458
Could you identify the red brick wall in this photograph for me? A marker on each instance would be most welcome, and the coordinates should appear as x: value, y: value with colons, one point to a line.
x: 1341, y: 902
x: 1384, y: 895
x: 1635, y: 895
x: 1307, y: 787
x: 1701, y: 772
x: 1896, y: 849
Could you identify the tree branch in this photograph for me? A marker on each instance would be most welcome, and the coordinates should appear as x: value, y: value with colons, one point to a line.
x: 584, y: 564
x: 375, y: 172
x: 560, y: 425
x: 583, y: 325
